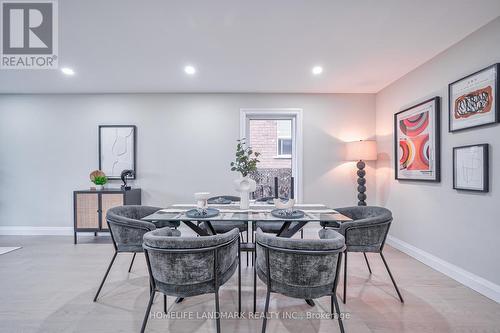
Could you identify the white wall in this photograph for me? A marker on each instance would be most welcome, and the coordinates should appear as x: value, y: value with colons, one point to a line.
x: 460, y: 228
x: 48, y: 146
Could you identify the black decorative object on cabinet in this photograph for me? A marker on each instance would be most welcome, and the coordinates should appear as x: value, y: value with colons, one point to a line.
x: 126, y: 174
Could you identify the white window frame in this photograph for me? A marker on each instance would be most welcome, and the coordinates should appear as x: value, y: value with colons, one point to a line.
x: 278, y: 137
x: 295, y: 114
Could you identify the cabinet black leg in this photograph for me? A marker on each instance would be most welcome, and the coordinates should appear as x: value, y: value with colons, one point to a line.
x: 74, y: 240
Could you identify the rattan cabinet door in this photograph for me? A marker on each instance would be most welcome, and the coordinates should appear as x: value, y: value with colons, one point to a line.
x: 109, y: 200
x: 87, y: 211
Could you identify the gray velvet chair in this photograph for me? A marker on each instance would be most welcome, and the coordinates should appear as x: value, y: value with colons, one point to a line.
x: 300, y: 268
x: 190, y: 266
x: 127, y: 229
x: 225, y: 226
x: 221, y: 227
x: 366, y: 233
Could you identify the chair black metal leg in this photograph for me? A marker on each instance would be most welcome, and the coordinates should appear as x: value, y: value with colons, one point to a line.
x: 341, y: 324
x: 239, y: 280
x: 332, y: 307
x: 164, y: 303
x: 367, y: 263
x: 146, y: 316
x: 255, y: 282
x: 253, y: 239
x: 345, y: 277
x: 302, y: 233
x: 217, y: 310
x: 266, y: 309
x: 131, y: 263
x: 392, y: 278
x: 105, y: 276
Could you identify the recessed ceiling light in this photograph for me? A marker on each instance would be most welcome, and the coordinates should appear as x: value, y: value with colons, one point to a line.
x: 190, y: 70
x: 67, y: 71
x: 317, y: 70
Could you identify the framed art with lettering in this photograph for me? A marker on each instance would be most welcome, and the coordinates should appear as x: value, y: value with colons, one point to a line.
x: 473, y: 100
x: 417, y: 142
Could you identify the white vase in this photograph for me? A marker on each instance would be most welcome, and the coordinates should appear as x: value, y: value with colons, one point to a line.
x: 99, y: 187
x: 245, y: 185
x: 201, y: 199
x: 279, y: 204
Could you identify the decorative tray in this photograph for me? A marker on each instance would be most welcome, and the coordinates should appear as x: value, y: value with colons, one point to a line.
x: 284, y: 213
x: 219, y: 201
x: 202, y: 213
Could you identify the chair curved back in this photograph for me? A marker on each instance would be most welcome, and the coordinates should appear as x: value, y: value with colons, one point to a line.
x: 126, y: 227
x: 368, y: 230
x: 301, y: 268
x: 189, y: 266
x: 213, y: 200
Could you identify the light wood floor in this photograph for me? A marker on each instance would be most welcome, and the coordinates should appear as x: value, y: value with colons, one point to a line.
x: 48, y: 286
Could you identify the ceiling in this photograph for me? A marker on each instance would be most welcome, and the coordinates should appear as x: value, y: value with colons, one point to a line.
x: 125, y: 46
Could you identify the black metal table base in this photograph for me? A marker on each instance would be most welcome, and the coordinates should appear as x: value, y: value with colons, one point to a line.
x: 196, y: 228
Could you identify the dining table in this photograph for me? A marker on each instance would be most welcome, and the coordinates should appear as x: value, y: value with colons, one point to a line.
x: 257, y: 211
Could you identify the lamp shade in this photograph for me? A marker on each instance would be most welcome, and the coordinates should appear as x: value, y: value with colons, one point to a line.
x: 361, y: 150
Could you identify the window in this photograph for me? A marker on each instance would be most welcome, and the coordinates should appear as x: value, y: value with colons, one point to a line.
x: 277, y: 135
x: 284, y: 138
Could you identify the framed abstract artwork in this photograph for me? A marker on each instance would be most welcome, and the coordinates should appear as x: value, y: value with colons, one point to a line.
x: 117, y: 148
x: 417, y: 142
x: 473, y: 100
x: 470, y: 168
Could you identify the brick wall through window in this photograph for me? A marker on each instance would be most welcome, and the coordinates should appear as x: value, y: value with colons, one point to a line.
x: 263, y: 138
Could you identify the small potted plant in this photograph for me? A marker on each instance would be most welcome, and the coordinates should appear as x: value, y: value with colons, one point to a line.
x: 99, y: 179
x: 245, y: 162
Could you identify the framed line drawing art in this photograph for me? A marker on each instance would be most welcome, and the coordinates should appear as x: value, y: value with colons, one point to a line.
x: 471, y: 168
x: 473, y: 100
x: 417, y: 142
x: 117, y: 149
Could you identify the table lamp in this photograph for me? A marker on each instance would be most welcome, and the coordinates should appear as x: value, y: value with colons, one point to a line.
x: 361, y: 151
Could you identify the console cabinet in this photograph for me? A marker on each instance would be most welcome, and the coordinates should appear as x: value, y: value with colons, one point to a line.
x: 90, y: 207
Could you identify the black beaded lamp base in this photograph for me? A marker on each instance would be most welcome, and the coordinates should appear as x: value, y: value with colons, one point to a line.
x: 361, y: 183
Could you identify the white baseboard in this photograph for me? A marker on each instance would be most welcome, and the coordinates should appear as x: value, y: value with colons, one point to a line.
x: 36, y: 231
x: 477, y: 283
